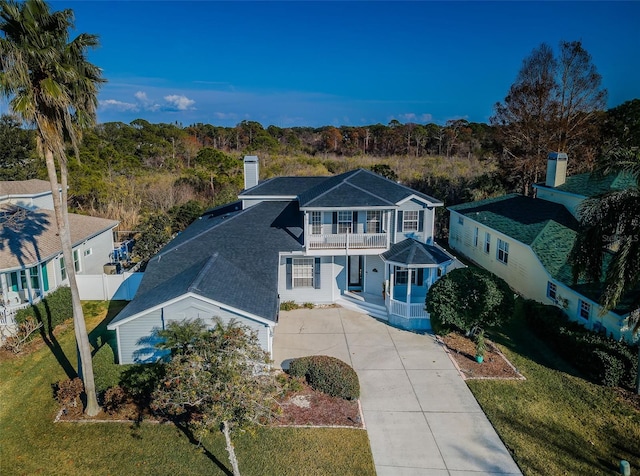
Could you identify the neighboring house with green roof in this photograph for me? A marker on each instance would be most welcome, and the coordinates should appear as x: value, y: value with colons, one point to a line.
x: 356, y: 239
x: 527, y: 241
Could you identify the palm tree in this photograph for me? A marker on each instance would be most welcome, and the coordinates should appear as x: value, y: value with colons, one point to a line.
x: 52, y: 86
x: 610, y: 240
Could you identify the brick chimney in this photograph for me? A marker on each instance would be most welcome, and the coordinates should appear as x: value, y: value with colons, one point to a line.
x: 556, y: 169
x: 251, y: 171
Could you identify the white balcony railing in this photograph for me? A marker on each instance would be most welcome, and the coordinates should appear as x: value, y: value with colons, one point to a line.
x: 409, y: 311
x: 349, y: 240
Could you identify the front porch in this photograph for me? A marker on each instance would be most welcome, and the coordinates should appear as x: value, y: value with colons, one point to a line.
x: 398, y: 313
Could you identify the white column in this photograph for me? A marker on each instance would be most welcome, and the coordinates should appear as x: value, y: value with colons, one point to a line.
x: 27, y: 273
x: 409, y: 276
x: 5, y: 289
x: 392, y: 278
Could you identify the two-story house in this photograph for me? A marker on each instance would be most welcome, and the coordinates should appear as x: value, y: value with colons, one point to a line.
x: 357, y: 239
x: 527, y: 242
x: 31, y: 262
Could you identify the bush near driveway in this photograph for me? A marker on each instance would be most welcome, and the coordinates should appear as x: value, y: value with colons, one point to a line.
x: 328, y: 375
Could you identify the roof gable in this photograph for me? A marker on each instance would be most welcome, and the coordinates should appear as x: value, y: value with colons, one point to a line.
x: 413, y: 253
x: 359, y: 188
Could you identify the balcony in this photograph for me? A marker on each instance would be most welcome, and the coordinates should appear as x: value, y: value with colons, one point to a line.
x: 347, y: 241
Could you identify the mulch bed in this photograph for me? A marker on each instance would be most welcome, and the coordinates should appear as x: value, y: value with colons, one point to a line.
x: 306, y: 407
x: 495, y: 364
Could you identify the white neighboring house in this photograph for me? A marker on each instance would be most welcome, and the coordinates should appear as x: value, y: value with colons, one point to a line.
x: 527, y: 241
x: 31, y: 262
x: 357, y: 239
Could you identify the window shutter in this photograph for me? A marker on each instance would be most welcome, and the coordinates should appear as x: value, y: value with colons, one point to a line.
x: 316, y: 273
x: 354, y: 223
x: 289, y: 273
x: 399, y: 220
x: 334, y: 222
x: 421, y: 220
x: 420, y: 276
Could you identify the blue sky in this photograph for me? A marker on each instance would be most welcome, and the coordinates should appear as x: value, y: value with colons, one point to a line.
x: 302, y: 63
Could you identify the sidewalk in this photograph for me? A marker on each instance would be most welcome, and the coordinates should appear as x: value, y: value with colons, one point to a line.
x: 421, y: 417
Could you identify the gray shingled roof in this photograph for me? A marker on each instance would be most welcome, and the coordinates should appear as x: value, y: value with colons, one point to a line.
x: 28, y: 237
x: 416, y: 254
x: 358, y: 188
x: 283, y: 187
x: 230, y: 258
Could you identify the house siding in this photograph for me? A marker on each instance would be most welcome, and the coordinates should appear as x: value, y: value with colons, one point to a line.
x: 101, y: 246
x: 322, y: 295
x: 570, y: 202
x: 135, y: 333
x: 525, y: 273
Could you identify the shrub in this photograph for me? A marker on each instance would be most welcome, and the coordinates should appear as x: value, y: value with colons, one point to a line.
x: 68, y: 392
x: 602, y: 359
x: 140, y: 380
x: 51, y: 311
x: 327, y: 375
x: 113, y: 399
x: 469, y: 297
x: 106, y: 372
x: 288, y: 306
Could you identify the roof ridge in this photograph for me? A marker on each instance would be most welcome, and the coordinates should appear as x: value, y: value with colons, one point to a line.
x: 199, y: 277
x: 413, y: 192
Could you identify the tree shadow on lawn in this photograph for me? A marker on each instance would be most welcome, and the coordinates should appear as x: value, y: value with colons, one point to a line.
x: 100, y: 335
x: 184, y: 428
x: 48, y: 337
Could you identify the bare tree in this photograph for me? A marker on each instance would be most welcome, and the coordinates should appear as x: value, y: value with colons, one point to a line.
x: 547, y: 108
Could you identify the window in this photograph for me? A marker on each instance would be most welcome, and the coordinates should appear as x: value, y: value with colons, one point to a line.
x: 63, y: 270
x: 552, y: 291
x: 487, y: 242
x: 33, y: 278
x: 410, y: 221
x: 460, y: 220
x: 374, y: 220
x: 316, y: 223
x: 303, y: 272
x: 584, y: 310
x: 88, y: 252
x: 345, y: 220
x: 475, y: 236
x: 402, y: 276
x: 76, y: 261
x: 503, y: 251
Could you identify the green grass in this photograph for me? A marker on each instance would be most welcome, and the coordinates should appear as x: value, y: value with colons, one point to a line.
x: 556, y: 422
x: 33, y: 444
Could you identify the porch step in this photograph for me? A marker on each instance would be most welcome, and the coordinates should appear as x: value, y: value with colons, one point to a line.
x: 360, y: 305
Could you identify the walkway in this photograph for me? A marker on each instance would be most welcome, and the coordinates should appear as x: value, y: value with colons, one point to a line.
x: 421, y: 417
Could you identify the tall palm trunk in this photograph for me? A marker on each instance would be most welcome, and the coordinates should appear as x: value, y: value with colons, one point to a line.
x: 85, y: 364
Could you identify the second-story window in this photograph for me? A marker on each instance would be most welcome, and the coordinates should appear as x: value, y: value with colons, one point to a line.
x: 316, y: 223
x: 487, y: 242
x: 410, y: 220
x: 345, y: 221
x: 374, y: 220
x: 475, y: 237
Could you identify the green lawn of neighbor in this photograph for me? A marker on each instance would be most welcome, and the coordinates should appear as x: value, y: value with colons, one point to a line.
x: 555, y: 422
x: 33, y: 444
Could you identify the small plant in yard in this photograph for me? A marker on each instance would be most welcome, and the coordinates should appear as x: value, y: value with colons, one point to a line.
x: 328, y: 375
x: 289, y: 306
x: 481, y: 346
x: 68, y: 392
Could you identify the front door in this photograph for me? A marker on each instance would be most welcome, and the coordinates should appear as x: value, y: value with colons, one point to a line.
x: 355, y: 273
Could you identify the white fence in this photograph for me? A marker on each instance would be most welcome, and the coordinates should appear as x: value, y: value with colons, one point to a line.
x: 106, y: 287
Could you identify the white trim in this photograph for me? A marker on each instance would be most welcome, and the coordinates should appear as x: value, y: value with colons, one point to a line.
x: 266, y: 198
x: 561, y: 192
x: 420, y: 199
x: 184, y: 296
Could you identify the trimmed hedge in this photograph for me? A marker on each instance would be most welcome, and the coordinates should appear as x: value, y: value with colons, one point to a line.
x: 52, y: 311
x: 328, y: 375
x: 601, y: 358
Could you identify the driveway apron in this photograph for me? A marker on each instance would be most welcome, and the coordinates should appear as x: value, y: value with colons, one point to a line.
x: 420, y: 416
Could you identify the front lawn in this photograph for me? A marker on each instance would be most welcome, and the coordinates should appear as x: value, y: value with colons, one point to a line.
x: 556, y: 422
x: 33, y: 444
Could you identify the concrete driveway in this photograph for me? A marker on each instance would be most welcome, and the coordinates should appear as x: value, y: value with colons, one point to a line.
x: 421, y: 417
